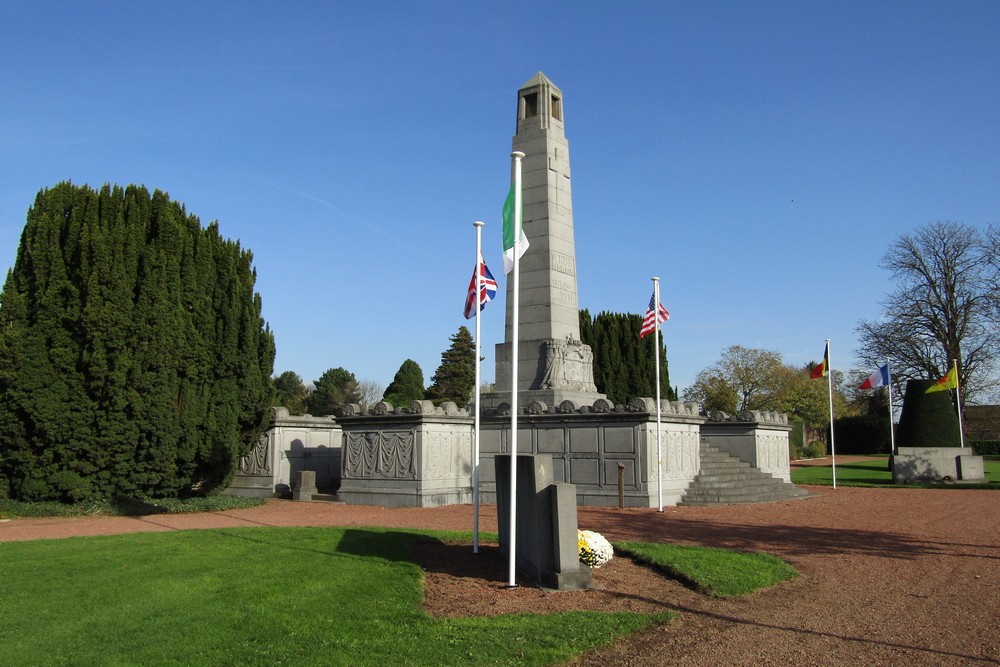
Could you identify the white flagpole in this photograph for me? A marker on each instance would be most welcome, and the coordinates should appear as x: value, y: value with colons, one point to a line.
x: 892, y: 431
x: 656, y: 353
x: 478, y: 224
x: 958, y: 398
x: 512, y: 567
x: 829, y: 378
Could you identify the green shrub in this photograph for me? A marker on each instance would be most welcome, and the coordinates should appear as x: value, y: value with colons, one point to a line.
x: 814, y: 450
x: 863, y: 434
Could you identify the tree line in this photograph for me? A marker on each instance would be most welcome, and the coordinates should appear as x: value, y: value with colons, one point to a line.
x: 944, y: 309
x: 134, y: 359
x: 454, y: 381
x: 624, y: 368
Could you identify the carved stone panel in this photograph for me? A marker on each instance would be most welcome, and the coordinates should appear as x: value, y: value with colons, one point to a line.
x: 380, y: 455
x: 258, y: 461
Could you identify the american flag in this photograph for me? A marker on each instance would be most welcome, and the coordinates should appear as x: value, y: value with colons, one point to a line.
x: 488, y: 289
x: 655, y: 313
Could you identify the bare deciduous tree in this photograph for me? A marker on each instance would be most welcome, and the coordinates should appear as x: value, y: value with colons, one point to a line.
x: 370, y: 392
x: 945, y: 307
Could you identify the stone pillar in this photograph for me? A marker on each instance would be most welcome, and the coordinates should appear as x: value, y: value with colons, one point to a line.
x: 553, y: 364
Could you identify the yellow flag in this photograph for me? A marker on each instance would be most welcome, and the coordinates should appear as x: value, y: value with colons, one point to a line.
x: 949, y: 381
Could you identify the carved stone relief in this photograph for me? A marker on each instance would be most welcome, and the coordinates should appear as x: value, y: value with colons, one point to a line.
x: 258, y: 461
x: 380, y: 455
x: 569, y: 365
x: 441, y: 454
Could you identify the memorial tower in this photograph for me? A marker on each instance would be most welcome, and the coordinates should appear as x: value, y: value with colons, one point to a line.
x: 553, y: 364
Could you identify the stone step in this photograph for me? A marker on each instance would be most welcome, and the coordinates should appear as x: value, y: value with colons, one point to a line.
x: 754, y: 483
x: 741, y: 500
x: 742, y: 490
x: 725, y: 479
x: 743, y: 475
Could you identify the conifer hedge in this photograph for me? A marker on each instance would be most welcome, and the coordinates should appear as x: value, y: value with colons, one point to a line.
x: 927, y: 420
x: 133, y: 356
x: 624, y: 364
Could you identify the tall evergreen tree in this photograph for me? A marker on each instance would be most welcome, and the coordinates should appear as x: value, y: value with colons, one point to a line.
x: 456, y: 376
x: 336, y: 387
x: 290, y: 392
x: 624, y: 364
x: 406, y: 386
x: 135, y: 357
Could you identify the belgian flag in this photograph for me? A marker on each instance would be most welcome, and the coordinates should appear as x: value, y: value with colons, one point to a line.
x: 822, y: 368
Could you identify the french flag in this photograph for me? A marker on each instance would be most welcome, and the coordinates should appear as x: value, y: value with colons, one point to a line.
x: 877, y: 379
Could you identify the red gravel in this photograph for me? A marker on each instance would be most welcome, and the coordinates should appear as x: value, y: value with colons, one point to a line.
x: 888, y: 576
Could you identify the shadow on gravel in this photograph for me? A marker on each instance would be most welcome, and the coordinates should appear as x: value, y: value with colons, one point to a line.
x: 780, y: 539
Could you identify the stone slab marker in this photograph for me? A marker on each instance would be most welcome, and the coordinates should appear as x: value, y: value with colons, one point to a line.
x: 547, y: 545
x: 553, y: 364
x: 304, y: 486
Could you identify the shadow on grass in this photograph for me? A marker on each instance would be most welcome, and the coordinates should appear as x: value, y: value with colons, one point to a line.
x: 389, y: 545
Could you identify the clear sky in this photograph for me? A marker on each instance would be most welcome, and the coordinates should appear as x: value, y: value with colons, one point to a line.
x: 758, y: 156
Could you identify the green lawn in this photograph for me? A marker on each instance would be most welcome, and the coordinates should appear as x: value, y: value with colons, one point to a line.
x: 875, y: 472
x: 718, y: 572
x: 258, y: 596
x: 303, y: 596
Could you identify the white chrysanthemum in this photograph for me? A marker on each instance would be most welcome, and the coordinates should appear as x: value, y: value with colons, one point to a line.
x: 595, y: 551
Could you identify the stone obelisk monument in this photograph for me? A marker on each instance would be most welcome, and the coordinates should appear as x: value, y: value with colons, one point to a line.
x: 553, y: 365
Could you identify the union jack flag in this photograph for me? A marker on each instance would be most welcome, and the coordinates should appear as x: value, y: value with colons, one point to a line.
x: 655, y: 313
x: 488, y: 289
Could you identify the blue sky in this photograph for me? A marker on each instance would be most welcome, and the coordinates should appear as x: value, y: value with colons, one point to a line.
x: 758, y: 156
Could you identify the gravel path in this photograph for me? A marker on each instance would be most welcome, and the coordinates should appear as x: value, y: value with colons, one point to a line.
x: 888, y: 576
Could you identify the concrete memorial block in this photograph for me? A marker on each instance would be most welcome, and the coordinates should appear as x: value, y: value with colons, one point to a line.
x: 937, y: 464
x: 587, y: 446
x: 758, y: 437
x: 291, y: 444
x: 304, y: 487
x: 547, y: 548
x: 418, y: 456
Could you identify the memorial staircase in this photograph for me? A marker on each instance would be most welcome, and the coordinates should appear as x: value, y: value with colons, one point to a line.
x: 724, y: 479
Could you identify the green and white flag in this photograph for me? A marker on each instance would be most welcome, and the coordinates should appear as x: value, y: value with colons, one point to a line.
x: 508, y: 232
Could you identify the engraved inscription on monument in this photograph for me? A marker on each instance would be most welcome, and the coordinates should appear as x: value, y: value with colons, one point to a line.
x: 563, y: 263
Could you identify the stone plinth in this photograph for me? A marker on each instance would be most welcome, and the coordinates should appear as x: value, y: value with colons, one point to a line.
x: 418, y: 456
x: 757, y: 437
x: 936, y: 464
x: 304, y: 485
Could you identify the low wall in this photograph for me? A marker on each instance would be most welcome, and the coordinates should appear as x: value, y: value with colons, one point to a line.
x: 757, y: 437
x: 291, y: 444
x: 587, y: 444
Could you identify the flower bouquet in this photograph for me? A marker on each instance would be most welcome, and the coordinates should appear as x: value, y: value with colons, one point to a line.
x: 595, y: 551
